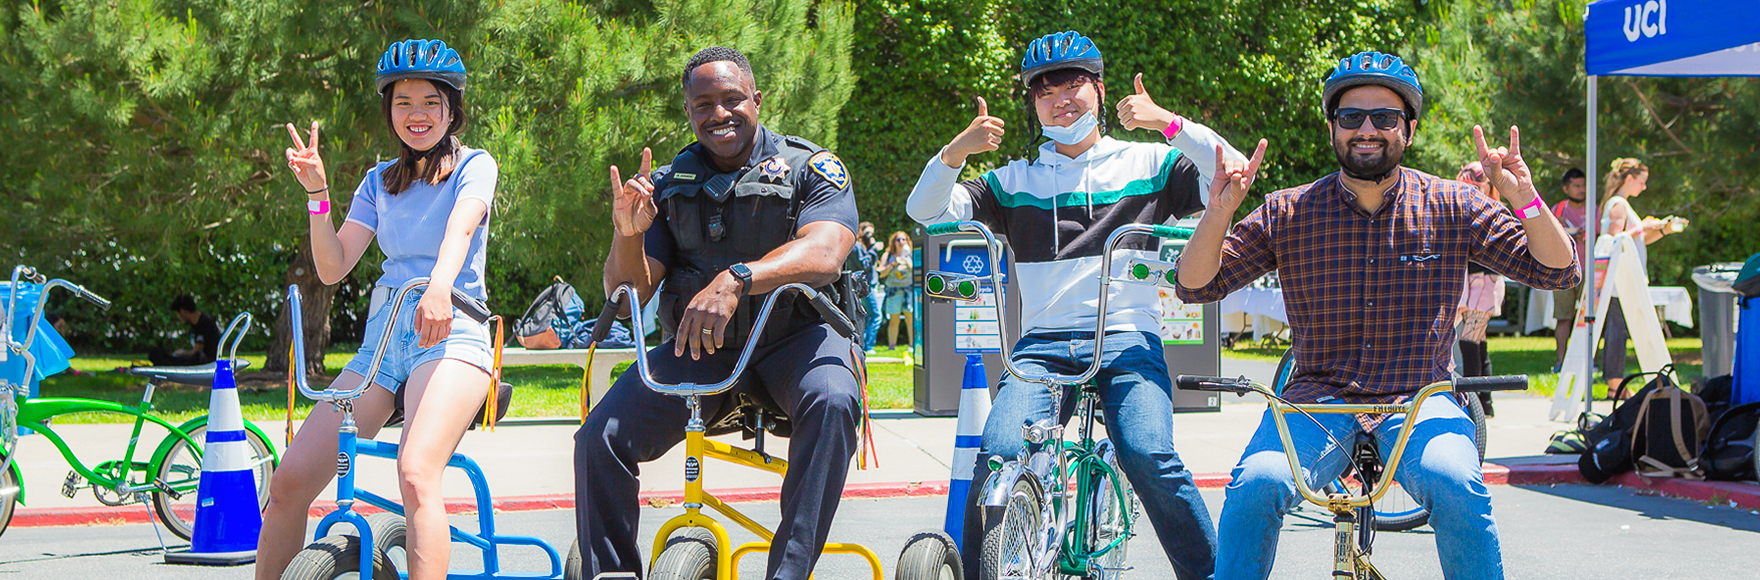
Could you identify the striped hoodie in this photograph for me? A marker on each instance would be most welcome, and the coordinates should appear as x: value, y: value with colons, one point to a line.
x: 1057, y: 212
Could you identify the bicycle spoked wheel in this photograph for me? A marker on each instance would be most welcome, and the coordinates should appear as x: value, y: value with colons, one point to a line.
x: 1012, y: 544
x: 182, y: 472
x: 1108, y: 519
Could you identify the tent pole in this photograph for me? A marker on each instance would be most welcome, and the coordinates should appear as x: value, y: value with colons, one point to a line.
x: 1591, y: 220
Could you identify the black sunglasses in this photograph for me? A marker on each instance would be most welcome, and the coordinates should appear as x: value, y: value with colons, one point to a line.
x: 1384, y: 119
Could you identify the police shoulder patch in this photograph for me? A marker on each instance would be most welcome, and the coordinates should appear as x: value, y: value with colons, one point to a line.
x: 828, y: 166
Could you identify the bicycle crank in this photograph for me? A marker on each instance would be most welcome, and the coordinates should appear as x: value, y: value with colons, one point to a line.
x: 166, y: 489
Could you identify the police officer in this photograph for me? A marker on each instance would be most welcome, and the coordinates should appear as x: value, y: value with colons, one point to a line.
x: 735, y: 215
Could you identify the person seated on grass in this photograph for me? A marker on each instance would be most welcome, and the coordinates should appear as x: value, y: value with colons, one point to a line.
x: 204, y: 337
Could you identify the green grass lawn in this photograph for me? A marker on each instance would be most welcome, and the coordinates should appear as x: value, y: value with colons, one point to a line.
x: 554, y: 391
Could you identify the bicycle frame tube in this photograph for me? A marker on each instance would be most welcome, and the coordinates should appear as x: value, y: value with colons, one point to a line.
x: 1399, y: 447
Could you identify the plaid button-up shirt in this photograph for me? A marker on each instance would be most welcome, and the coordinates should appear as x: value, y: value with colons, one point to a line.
x: 1371, y: 297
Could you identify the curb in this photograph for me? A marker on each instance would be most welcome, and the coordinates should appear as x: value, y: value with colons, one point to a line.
x: 1737, y: 494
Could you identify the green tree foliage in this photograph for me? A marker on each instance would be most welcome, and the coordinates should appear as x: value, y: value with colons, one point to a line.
x: 145, y: 138
x: 1503, y: 62
x: 1249, y: 69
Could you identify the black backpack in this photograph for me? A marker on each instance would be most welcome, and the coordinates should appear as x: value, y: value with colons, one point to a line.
x: 1610, y: 439
x: 1729, y: 450
x: 549, y: 320
x: 1670, y: 431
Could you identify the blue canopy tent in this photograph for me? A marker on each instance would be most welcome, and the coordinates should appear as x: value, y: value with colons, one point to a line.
x: 1660, y: 38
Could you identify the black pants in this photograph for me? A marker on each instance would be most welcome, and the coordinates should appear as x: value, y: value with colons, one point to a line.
x: 161, y: 358
x: 808, y: 374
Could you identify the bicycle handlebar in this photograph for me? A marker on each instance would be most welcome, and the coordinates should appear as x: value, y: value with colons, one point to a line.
x: 613, y: 302
x: 472, y: 309
x: 1280, y: 406
x: 602, y: 326
x: 31, y: 275
x: 243, y: 318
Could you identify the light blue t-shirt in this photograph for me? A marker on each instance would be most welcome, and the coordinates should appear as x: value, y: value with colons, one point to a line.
x: 410, y: 225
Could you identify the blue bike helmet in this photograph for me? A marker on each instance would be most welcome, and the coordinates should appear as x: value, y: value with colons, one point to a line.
x: 1060, y: 50
x: 1375, y: 68
x: 420, y: 59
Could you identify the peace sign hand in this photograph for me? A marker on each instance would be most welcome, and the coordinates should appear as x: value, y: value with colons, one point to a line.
x: 1229, y: 185
x: 1138, y: 111
x: 1506, y: 169
x: 632, y: 206
x: 303, y: 159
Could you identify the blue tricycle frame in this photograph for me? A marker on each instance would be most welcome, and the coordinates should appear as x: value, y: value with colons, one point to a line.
x: 350, y: 448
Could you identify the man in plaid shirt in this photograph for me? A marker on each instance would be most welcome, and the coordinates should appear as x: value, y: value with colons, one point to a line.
x: 1372, y: 260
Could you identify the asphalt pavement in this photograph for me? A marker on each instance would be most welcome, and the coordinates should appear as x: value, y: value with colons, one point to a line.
x: 1563, y: 532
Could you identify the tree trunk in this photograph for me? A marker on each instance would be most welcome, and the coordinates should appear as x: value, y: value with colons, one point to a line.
x: 316, y: 298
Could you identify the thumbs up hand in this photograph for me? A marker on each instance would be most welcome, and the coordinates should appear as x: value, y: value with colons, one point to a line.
x: 1139, y: 111
x: 984, y: 134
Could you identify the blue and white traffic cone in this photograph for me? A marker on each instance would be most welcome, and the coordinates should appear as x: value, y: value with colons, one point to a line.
x: 227, y: 513
x: 974, y: 408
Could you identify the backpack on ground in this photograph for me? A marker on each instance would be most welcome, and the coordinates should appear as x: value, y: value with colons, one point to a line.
x: 1609, y: 439
x: 1729, y: 450
x: 549, y: 321
x: 1671, y: 429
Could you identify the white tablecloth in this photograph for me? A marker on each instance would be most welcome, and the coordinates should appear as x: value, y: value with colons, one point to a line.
x: 1258, y: 308
x: 1676, y: 304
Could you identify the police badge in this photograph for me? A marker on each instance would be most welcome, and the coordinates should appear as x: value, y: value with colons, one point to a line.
x: 828, y: 166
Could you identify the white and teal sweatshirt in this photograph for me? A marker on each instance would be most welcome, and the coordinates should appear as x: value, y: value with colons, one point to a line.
x: 1057, y: 213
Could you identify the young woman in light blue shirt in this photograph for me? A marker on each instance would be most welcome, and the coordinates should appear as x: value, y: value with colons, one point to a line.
x: 429, y: 211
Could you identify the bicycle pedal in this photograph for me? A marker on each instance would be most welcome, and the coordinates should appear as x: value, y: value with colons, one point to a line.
x: 166, y: 489
x: 71, y: 485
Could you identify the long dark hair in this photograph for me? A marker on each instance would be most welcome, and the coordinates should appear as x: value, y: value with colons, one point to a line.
x: 439, y: 161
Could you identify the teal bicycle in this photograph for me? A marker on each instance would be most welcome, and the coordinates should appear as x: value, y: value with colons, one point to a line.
x: 1060, y: 508
x: 167, y: 478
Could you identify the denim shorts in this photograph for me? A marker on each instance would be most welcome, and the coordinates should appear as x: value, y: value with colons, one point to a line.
x: 469, y: 342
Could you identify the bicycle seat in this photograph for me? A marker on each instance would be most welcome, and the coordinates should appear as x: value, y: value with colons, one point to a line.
x: 752, y: 414
x: 503, y: 398
x: 195, y: 376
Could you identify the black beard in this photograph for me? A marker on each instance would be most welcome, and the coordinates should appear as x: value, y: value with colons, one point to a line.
x: 1368, y: 171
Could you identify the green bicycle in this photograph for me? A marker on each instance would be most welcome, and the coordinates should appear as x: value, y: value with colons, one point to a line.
x: 1061, y: 508
x: 167, y: 478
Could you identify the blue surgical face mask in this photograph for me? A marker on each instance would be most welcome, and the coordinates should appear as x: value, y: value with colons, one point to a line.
x: 1075, y: 132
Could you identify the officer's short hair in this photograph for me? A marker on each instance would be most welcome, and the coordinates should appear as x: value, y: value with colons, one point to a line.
x: 717, y: 54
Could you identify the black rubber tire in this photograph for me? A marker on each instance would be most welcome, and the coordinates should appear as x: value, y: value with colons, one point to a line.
x: 9, y: 490
x: 571, y: 565
x: 1019, y: 516
x: 391, y: 538
x: 179, y: 466
x: 690, y: 555
x: 929, y: 555
x: 334, y: 557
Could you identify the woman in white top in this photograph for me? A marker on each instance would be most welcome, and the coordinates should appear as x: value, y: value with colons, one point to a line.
x: 429, y: 210
x: 1627, y: 179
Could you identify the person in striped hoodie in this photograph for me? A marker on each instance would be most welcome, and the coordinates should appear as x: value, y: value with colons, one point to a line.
x: 1057, y: 211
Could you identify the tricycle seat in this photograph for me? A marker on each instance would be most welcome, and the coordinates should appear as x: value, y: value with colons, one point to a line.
x: 503, y: 400
x: 195, y: 376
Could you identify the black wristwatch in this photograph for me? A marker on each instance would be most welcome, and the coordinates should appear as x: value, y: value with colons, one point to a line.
x: 744, y: 275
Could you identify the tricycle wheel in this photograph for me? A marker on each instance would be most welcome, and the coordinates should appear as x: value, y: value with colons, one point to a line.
x: 181, y: 470
x: 335, y: 558
x: 929, y: 555
x: 571, y: 567
x: 1011, y: 540
x: 9, y: 490
x: 687, y: 556
x: 389, y: 533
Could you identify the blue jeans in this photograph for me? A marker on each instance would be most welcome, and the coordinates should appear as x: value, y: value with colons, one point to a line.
x: 1138, y: 399
x: 871, y: 329
x: 1440, y: 469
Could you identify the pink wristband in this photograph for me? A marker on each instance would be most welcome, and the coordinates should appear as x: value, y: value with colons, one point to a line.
x: 1174, y: 127
x: 318, y: 207
x: 1533, y: 209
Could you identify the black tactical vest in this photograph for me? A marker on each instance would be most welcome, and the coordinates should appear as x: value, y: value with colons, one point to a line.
x: 721, y: 219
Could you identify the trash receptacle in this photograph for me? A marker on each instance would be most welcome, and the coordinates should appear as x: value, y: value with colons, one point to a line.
x: 1717, y: 316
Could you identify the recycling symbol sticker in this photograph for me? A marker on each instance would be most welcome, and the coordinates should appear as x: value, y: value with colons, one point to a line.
x: 973, y: 265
